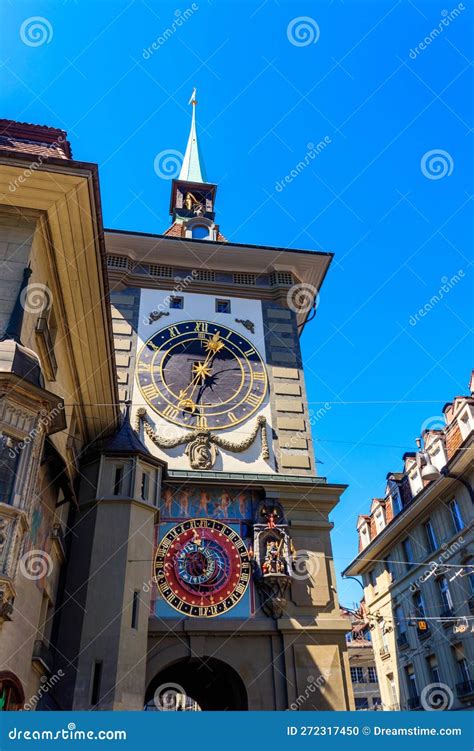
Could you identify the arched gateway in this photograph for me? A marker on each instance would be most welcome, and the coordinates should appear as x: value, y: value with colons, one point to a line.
x: 197, y: 683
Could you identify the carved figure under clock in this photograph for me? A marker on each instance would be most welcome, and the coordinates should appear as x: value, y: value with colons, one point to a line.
x: 202, y: 375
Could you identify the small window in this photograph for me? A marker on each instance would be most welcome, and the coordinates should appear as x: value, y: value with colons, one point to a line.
x: 411, y: 682
x: 372, y: 674
x: 200, y: 232
x: 419, y: 604
x: 145, y: 489
x: 361, y: 703
x: 400, y: 621
x: 176, y: 303
x: 376, y: 702
x: 118, y: 480
x: 222, y: 306
x: 456, y: 516
x: 371, y: 577
x: 445, y: 594
x: 9, y: 460
x: 135, y: 602
x: 357, y: 675
x: 379, y: 520
x: 407, y: 553
x: 431, y: 536
x: 96, y: 681
x: 433, y: 669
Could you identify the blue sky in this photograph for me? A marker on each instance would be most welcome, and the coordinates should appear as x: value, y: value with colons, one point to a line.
x: 398, y: 227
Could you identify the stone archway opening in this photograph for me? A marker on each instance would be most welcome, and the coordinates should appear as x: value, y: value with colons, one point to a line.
x: 197, y: 684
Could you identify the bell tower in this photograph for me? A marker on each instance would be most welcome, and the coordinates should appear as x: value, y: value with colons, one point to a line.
x: 192, y: 196
x: 207, y: 341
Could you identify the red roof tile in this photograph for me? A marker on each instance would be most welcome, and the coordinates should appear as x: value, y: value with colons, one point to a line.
x: 37, y: 140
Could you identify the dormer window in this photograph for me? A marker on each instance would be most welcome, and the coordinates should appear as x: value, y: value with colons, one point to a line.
x: 379, y: 519
x: 200, y: 232
x: 200, y: 228
x: 364, y: 535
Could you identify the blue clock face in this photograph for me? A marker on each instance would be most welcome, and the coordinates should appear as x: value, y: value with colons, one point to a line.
x: 201, y: 375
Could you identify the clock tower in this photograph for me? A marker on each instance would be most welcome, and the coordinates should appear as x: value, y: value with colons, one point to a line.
x: 225, y: 592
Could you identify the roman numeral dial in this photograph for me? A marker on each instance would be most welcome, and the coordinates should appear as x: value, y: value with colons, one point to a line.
x: 202, y: 375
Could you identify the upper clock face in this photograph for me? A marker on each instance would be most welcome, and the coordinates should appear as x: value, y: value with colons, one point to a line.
x: 202, y: 375
x: 202, y: 568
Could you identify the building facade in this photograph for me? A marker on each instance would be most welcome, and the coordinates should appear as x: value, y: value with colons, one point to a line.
x: 174, y: 505
x: 416, y: 558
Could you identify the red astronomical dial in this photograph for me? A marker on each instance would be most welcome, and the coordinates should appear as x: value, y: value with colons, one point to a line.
x: 202, y: 568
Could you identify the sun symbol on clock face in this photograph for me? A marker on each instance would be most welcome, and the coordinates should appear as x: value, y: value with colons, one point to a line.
x: 202, y: 375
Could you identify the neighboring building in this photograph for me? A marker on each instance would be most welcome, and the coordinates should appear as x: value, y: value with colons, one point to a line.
x: 416, y: 557
x: 362, y: 664
x: 57, y: 382
x: 207, y: 483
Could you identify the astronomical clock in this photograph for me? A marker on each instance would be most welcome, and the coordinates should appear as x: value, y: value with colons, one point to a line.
x: 202, y: 567
x: 202, y: 387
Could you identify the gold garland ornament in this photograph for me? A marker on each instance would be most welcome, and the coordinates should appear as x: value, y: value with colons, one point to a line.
x: 201, y: 445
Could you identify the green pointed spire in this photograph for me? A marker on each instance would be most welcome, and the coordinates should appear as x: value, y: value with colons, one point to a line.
x: 192, y: 168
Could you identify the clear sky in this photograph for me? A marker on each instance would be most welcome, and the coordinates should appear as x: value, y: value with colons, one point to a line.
x: 399, y: 223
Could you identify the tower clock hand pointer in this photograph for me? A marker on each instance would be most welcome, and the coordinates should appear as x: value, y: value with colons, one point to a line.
x: 201, y: 370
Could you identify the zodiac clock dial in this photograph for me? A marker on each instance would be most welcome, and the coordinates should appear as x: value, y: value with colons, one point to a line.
x: 202, y: 375
x: 202, y: 568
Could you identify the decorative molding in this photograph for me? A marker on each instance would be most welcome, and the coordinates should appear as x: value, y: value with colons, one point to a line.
x: 249, y: 325
x: 201, y: 445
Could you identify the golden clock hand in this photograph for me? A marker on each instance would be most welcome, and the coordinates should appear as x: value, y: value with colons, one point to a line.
x: 213, y: 345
